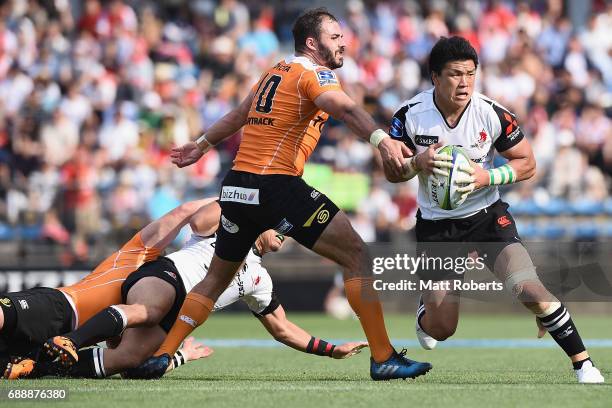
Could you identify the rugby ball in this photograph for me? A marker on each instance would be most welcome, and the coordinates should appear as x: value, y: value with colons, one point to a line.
x: 442, y: 190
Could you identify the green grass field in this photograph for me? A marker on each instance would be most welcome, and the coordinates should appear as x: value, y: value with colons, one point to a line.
x: 265, y: 377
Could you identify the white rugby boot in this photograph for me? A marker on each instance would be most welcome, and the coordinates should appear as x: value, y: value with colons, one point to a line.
x: 425, y: 340
x: 589, y: 374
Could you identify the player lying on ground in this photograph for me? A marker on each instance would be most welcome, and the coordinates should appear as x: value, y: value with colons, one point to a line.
x: 148, y: 307
x: 30, y: 317
x: 453, y: 113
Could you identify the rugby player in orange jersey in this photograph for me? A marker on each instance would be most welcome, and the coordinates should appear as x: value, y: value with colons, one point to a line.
x: 282, y: 118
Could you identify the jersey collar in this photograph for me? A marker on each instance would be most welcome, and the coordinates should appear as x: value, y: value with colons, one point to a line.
x: 433, y: 96
x: 304, y: 61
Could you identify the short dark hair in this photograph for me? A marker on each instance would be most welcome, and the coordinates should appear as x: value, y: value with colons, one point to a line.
x: 309, y: 25
x: 448, y: 50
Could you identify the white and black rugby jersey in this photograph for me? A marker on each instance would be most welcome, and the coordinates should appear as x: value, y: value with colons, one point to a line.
x: 252, y: 283
x: 484, y: 126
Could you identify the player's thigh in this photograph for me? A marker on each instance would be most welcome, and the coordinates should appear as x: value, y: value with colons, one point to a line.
x: 156, y: 285
x: 313, y: 220
x: 340, y: 243
x: 151, y: 291
x: 137, y: 344
x: 243, y: 215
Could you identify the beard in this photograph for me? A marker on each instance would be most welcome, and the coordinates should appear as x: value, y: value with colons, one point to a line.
x: 328, y: 56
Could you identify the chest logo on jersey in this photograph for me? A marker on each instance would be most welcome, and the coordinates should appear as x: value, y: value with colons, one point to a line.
x: 425, y: 140
x: 326, y: 77
x: 481, y: 140
x: 260, y: 121
x: 240, y: 195
x: 397, y: 128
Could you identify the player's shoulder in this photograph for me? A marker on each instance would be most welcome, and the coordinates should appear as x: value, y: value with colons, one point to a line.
x: 299, y: 64
x: 421, y: 102
x: 489, y: 106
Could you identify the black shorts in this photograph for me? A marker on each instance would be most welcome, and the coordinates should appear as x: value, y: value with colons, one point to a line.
x: 450, y: 240
x: 42, y: 313
x: 164, y: 269
x: 251, y: 204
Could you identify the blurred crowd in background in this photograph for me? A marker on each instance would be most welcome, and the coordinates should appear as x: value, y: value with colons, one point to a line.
x: 94, y: 93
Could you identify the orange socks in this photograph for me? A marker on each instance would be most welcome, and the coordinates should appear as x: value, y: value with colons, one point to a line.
x: 194, y: 312
x: 364, y: 301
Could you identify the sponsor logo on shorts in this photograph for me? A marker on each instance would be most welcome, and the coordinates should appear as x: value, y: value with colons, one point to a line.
x: 504, y: 221
x: 257, y: 280
x: 240, y: 195
x: 171, y: 274
x: 228, y: 225
x: 24, y: 304
x: 321, y: 215
x: 425, y: 140
x: 283, y: 227
x: 327, y: 77
x: 6, y: 302
x: 188, y: 320
x: 315, y: 194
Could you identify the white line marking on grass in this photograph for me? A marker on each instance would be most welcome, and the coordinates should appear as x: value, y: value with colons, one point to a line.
x: 272, y: 385
x: 451, y: 343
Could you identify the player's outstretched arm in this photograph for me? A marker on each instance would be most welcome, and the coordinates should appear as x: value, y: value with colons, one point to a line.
x: 206, y: 220
x: 190, y: 351
x: 290, y: 334
x: 225, y: 127
x: 161, y: 232
x: 339, y: 105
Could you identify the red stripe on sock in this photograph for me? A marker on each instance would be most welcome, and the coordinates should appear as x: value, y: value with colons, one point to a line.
x: 315, y: 345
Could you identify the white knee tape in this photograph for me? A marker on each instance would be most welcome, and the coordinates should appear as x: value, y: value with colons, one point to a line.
x: 516, y: 279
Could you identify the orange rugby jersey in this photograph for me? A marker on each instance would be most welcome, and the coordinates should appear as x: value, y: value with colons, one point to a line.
x: 102, y: 288
x: 284, y: 124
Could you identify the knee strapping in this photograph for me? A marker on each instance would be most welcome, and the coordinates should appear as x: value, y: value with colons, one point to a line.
x: 514, y: 267
x: 515, y: 281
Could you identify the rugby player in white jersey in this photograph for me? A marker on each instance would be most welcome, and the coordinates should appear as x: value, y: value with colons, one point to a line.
x: 252, y: 284
x: 451, y: 113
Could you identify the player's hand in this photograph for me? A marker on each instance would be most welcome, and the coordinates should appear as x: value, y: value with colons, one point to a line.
x: 471, y: 178
x: 393, y: 153
x: 192, y: 350
x: 432, y: 162
x: 269, y: 241
x: 541, y: 329
x: 186, y: 154
x: 465, y: 180
x: 347, y: 350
